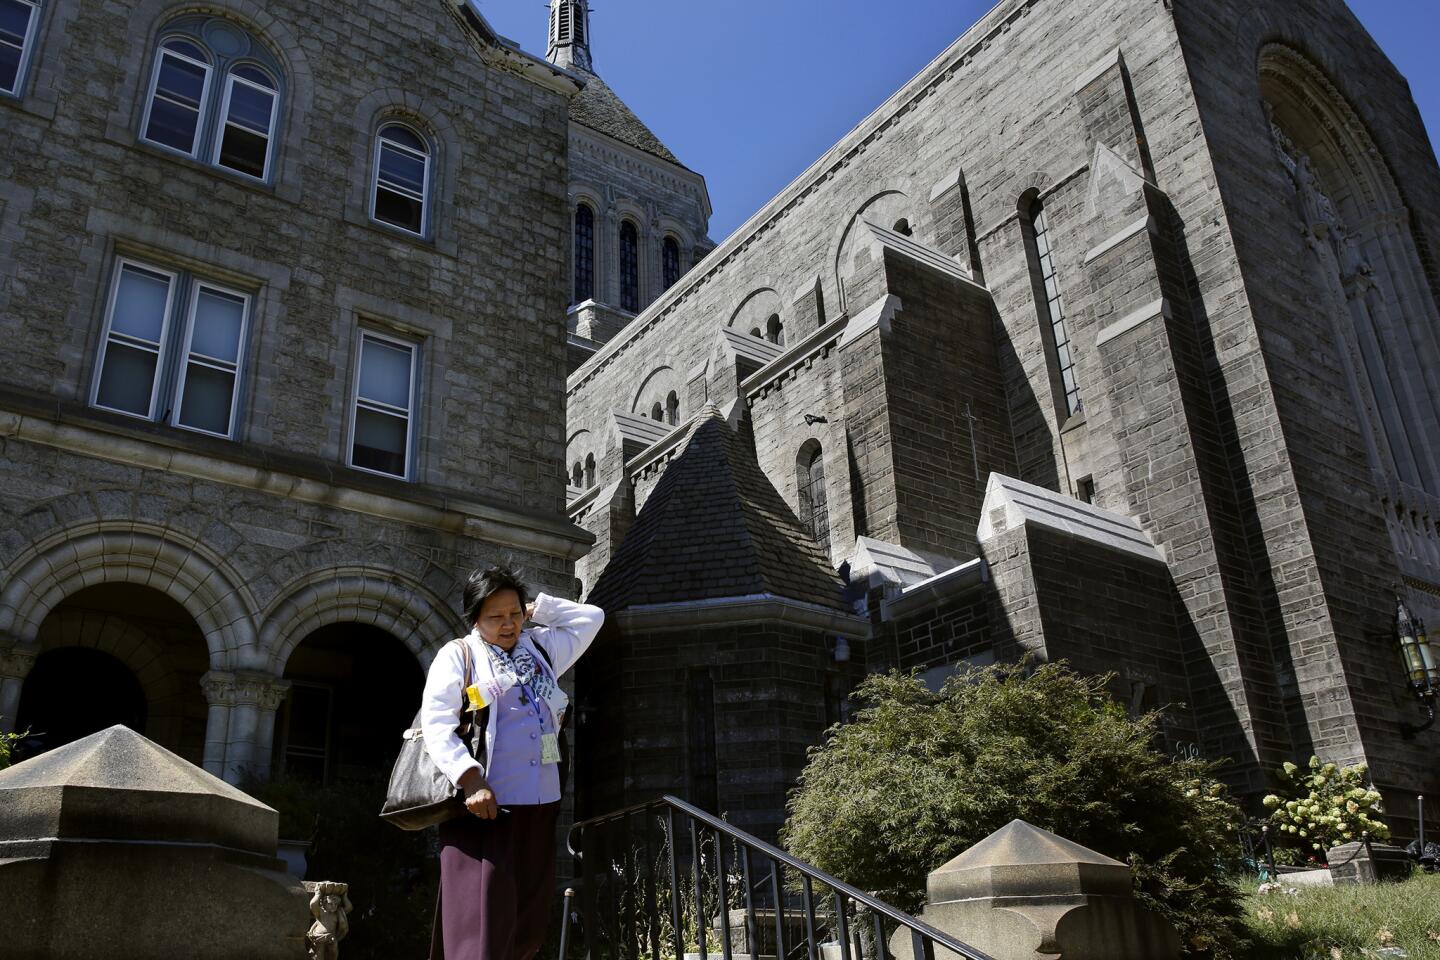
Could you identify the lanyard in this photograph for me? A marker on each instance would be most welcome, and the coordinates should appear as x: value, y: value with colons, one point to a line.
x: 527, y: 693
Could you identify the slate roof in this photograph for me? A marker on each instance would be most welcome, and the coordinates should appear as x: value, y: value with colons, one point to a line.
x: 598, y: 108
x: 714, y: 527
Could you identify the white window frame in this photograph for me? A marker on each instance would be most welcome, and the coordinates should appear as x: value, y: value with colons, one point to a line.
x: 27, y: 48
x: 174, y: 278
x: 160, y: 54
x: 428, y: 157
x: 379, y: 407
x: 196, y: 284
x: 223, y: 120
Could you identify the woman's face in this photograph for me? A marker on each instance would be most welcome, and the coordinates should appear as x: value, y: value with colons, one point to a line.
x: 500, y: 620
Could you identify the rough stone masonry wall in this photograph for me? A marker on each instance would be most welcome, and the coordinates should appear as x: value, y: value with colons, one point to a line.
x: 483, y: 297
x: 1319, y: 533
x: 267, y: 537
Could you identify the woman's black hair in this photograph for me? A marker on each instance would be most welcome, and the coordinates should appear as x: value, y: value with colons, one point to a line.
x: 482, y: 584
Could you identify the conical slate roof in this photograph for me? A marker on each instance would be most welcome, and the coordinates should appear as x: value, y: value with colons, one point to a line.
x: 118, y: 785
x: 599, y: 108
x: 714, y: 527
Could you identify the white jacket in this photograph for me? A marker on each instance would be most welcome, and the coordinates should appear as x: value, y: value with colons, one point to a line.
x: 563, y: 628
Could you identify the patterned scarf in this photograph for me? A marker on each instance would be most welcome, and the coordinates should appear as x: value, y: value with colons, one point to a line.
x: 518, y: 667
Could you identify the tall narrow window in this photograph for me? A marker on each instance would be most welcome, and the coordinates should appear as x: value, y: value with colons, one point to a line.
x: 210, y: 378
x: 248, y: 122
x: 672, y: 409
x: 177, y: 98
x: 814, y: 506
x: 629, y: 267
x: 402, y: 178
x: 656, y: 413
x: 1053, y: 312
x: 670, y: 261
x: 700, y: 722
x: 577, y: 476
x: 584, y: 253
x: 383, y: 409
x: 135, y: 333
x: 589, y: 470
x: 17, y: 37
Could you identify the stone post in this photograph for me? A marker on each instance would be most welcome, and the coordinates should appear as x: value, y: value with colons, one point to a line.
x: 15, y: 664
x: 1023, y: 893
x: 1364, y: 861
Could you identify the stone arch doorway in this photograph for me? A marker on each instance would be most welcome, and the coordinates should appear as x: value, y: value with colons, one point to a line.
x: 354, y: 689
x: 117, y: 653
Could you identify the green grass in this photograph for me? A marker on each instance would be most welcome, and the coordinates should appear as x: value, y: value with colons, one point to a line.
x: 1331, y: 923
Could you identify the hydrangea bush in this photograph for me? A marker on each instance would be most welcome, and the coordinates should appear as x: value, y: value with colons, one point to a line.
x: 1325, y: 806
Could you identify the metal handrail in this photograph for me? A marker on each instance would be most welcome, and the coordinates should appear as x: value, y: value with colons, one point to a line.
x: 924, y: 937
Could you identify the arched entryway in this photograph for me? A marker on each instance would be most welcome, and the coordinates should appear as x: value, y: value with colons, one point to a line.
x: 354, y: 689
x: 116, y: 653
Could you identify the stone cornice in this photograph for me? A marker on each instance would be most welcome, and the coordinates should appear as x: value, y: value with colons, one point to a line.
x: 661, y: 172
x: 812, y: 346
x: 730, y: 611
x: 75, y: 429
x: 946, y: 585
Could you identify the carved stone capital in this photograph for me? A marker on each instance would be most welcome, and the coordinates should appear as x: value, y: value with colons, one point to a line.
x: 16, y: 661
x: 262, y: 690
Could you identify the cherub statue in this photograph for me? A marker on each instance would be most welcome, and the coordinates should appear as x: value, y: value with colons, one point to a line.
x: 329, y: 905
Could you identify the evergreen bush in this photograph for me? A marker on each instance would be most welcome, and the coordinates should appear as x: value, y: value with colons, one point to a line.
x: 916, y: 778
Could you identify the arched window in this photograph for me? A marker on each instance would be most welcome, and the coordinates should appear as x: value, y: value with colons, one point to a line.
x: 214, y: 94
x: 670, y: 261
x: 757, y: 333
x: 1051, y: 307
x: 902, y: 227
x: 589, y: 470
x: 775, y: 330
x: 657, y: 413
x: 402, y: 178
x: 249, y: 122
x: 629, y: 267
x: 672, y: 409
x: 584, y: 253
x: 178, y: 95
x: 577, y: 475
x: 814, y: 510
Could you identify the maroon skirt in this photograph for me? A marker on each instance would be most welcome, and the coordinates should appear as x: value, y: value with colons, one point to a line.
x: 497, y: 885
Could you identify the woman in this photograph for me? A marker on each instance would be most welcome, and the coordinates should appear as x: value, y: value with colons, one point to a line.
x: 497, y: 864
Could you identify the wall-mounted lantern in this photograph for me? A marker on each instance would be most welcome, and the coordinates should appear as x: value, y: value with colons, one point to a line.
x: 1421, y: 666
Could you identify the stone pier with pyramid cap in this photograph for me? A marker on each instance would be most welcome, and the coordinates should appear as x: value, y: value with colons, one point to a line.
x: 113, y: 846
x: 1024, y: 893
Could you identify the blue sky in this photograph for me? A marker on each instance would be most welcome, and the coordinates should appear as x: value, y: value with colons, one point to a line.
x: 750, y: 92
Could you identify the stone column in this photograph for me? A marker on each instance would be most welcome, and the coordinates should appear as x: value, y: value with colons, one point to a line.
x: 15, y: 664
x: 240, y: 729
x: 219, y: 688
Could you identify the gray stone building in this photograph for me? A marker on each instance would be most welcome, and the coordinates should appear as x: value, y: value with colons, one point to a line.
x: 281, y: 299
x: 1110, y: 337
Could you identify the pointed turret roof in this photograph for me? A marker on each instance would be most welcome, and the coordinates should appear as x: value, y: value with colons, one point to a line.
x: 599, y: 108
x: 714, y: 527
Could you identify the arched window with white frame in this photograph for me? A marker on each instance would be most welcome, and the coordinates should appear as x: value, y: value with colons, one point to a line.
x: 215, y: 94
x: 402, y: 178
x: 248, y: 122
x: 178, y: 95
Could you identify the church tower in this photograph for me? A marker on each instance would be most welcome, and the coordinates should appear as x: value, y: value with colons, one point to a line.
x: 570, y: 34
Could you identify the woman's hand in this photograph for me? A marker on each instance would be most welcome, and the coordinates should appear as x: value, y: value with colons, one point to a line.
x: 530, y: 610
x: 479, y: 798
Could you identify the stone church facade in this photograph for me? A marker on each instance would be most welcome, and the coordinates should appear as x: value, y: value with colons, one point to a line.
x: 1110, y: 338
x: 259, y: 410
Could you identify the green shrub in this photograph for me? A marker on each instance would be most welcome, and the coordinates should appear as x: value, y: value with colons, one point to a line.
x: 7, y: 746
x: 918, y: 777
x: 1325, y: 807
